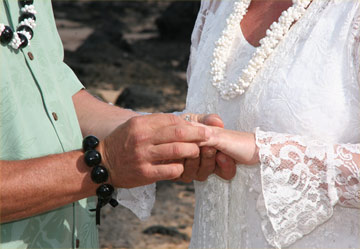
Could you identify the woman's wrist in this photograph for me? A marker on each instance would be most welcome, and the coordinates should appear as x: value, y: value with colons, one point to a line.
x: 248, y: 149
x: 255, y: 150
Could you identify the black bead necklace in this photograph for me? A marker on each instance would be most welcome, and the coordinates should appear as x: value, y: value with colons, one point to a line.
x: 24, y: 31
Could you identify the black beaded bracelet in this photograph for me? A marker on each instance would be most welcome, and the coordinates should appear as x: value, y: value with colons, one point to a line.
x: 99, y: 175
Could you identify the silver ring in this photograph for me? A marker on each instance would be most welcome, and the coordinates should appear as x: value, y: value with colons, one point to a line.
x: 188, y: 118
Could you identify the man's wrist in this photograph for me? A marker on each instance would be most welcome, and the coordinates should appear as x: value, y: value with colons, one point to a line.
x: 99, y: 174
x: 104, y: 157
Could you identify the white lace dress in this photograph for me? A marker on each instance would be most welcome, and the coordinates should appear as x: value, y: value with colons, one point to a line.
x: 305, y: 193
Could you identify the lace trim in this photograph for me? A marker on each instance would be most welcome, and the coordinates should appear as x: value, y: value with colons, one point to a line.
x: 295, y: 186
x: 139, y: 200
x: 302, y: 179
x: 347, y: 174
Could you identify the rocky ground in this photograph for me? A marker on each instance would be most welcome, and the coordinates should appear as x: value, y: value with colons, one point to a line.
x: 134, y: 54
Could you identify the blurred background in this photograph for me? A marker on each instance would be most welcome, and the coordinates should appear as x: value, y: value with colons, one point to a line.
x: 135, y: 54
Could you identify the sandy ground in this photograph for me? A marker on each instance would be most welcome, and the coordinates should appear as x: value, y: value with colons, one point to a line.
x: 115, y: 49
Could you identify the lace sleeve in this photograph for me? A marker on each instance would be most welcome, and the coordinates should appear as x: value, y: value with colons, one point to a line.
x: 205, y: 7
x: 139, y: 200
x: 302, y: 179
x: 355, y: 34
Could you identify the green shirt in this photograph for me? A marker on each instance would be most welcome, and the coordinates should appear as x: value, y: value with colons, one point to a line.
x: 32, y: 91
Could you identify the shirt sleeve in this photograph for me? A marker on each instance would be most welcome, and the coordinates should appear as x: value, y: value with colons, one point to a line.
x: 302, y: 179
x: 70, y: 82
x: 63, y: 75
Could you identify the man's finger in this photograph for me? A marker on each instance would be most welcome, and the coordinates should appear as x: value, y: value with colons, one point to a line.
x: 173, y: 151
x: 163, y: 120
x: 168, y: 171
x: 193, y: 117
x: 206, y: 119
x: 226, y: 166
x: 156, y: 121
x: 179, y: 133
x: 191, y: 167
x: 207, y: 165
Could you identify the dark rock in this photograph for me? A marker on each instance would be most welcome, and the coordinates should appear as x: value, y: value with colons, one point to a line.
x: 102, y: 46
x: 177, y: 21
x: 103, y: 38
x: 169, y: 231
x: 138, y: 96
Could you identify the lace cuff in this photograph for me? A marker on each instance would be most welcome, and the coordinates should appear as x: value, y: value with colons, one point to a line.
x: 139, y: 200
x: 302, y: 179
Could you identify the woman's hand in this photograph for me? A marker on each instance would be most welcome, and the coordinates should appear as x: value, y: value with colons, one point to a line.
x: 210, y: 160
x: 240, y: 146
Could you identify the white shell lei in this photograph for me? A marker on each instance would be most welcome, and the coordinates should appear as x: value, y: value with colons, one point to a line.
x: 274, y: 35
x: 16, y: 42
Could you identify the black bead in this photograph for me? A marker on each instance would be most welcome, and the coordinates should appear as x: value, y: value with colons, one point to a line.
x: 26, y: 2
x: 26, y: 29
x: 99, y: 174
x: 105, y: 191
x: 114, y: 202
x: 6, y: 35
x: 90, y: 143
x: 24, y: 41
x: 92, y: 158
x: 26, y: 16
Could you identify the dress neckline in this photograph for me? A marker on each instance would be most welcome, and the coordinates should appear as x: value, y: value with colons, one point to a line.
x: 242, y: 36
x: 255, y: 47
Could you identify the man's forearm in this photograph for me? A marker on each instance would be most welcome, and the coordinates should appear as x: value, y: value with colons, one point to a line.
x: 98, y: 118
x: 33, y: 186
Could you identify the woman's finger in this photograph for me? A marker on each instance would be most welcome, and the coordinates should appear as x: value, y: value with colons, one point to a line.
x: 225, y: 167
x: 207, y: 164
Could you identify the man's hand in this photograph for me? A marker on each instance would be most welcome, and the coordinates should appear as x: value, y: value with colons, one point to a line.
x: 104, y: 118
x: 210, y: 161
x: 134, y: 152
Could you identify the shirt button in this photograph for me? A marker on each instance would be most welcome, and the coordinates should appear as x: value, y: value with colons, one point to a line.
x: 31, y: 56
x: 55, y: 116
x: 77, y: 243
